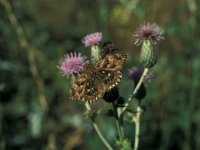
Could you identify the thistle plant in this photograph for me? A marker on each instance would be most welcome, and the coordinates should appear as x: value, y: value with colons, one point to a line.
x: 99, y: 78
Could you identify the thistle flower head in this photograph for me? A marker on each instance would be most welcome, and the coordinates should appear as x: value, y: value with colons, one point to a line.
x: 92, y: 39
x: 135, y: 74
x: 72, y: 63
x: 150, y: 32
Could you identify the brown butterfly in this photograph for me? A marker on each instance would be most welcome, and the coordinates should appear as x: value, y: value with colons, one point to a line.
x: 97, y: 79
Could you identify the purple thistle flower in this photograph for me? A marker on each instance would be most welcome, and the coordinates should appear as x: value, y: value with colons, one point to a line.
x: 150, y: 32
x: 136, y: 72
x: 72, y: 63
x: 92, y: 39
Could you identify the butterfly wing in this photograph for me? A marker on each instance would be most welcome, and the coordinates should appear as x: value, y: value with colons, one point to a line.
x: 77, y: 90
x: 112, y: 62
x: 109, y: 69
x: 95, y: 89
x: 103, y: 77
x: 109, y: 78
x: 87, y: 88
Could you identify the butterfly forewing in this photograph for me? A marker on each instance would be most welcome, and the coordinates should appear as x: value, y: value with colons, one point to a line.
x: 111, y: 62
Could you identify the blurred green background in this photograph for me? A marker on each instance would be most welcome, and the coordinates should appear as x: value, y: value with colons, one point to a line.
x: 35, y: 112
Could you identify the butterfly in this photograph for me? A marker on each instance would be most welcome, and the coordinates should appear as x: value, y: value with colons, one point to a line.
x: 108, y: 48
x: 97, y: 79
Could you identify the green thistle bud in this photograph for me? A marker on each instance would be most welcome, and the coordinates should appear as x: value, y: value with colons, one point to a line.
x: 95, y: 53
x: 148, y: 56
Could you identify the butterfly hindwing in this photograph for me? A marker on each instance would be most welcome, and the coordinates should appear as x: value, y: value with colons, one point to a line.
x: 110, y: 78
x: 87, y: 88
x: 95, y: 89
x: 78, y: 88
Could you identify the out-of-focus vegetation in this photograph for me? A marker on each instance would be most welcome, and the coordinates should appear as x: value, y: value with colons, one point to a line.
x: 35, y: 112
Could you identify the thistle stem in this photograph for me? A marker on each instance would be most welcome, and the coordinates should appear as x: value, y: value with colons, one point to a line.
x: 119, y: 123
x: 96, y: 127
x: 146, y: 70
x: 136, y: 119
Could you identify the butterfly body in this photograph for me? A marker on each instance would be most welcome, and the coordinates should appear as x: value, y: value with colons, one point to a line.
x: 97, y: 79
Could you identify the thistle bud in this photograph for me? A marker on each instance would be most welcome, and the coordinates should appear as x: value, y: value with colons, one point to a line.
x: 148, y: 56
x: 95, y: 53
x: 148, y: 35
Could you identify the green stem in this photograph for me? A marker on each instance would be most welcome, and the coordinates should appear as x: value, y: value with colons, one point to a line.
x: 99, y: 133
x: 137, y: 128
x: 146, y: 70
x: 121, y: 126
x: 136, y: 119
x: 118, y: 121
